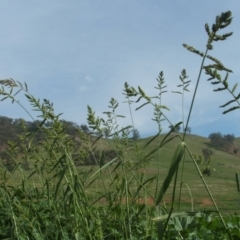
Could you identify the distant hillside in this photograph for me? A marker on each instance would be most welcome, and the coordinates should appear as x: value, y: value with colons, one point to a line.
x: 14, y: 130
x: 219, y: 168
x: 10, y: 129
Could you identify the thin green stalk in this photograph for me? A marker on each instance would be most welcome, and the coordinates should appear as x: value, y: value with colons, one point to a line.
x: 190, y: 193
x: 184, y: 155
x: 181, y: 181
x: 233, y: 186
x: 195, y: 92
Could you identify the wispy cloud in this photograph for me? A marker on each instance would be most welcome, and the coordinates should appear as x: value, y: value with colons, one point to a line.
x: 89, y: 79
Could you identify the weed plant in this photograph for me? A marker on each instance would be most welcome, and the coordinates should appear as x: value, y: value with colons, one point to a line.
x: 116, y: 199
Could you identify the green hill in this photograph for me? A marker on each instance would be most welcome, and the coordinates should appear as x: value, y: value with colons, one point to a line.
x: 223, y: 165
x: 221, y: 182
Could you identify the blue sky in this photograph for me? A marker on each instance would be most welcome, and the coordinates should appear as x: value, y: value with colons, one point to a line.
x: 79, y: 53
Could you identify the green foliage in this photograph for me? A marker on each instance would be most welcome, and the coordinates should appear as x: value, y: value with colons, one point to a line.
x: 202, y: 226
x: 57, y: 200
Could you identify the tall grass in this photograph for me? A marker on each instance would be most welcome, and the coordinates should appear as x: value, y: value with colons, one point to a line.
x: 116, y: 199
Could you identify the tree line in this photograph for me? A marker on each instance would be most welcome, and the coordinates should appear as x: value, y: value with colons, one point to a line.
x: 223, y: 142
x: 12, y: 132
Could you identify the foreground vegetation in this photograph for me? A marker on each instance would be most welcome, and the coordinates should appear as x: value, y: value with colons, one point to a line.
x: 120, y: 198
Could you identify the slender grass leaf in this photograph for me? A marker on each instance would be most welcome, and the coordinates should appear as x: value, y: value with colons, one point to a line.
x: 118, y: 164
x: 102, y: 196
x: 237, y: 180
x: 161, y: 145
x: 26, y: 87
x: 143, y: 184
x: 142, y: 106
x: 4, y: 98
x: 164, y: 107
x: 176, y: 125
x: 139, y: 99
x: 237, y: 97
x: 172, y: 170
x: 61, y: 176
x: 32, y: 174
x: 17, y: 92
x: 59, y: 160
x: 125, y: 128
x: 176, y: 92
x: 190, y: 193
x: 231, y: 109
x: 116, y: 177
x: 219, y: 89
x: 178, y: 214
x: 231, y: 101
x: 92, y: 182
x: 106, y: 165
x: 102, y: 157
x: 97, y: 139
x: 234, y: 88
x: 150, y: 140
x: 67, y: 190
x: 141, y: 91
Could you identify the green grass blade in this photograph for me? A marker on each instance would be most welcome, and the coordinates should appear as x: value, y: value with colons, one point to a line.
x: 150, y: 140
x: 143, y: 184
x: 61, y: 176
x: 161, y: 145
x: 190, y: 193
x: 106, y: 165
x: 237, y: 180
x: 172, y: 170
x: 177, y: 214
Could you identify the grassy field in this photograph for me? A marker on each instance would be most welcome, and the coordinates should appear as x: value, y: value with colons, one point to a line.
x: 222, y: 181
x: 152, y: 188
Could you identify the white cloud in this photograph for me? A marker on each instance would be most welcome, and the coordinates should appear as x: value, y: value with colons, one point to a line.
x: 89, y: 79
x: 83, y: 88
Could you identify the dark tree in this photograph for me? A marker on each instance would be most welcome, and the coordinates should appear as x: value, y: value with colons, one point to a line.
x: 229, y: 138
x: 207, y: 171
x: 70, y: 127
x: 207, y: 153
x: 216, y: 139
x: 188, y: 130
x: 135, y: 134
x: 222, y: 142
x: 85, y: 128
x: 235, y: 150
